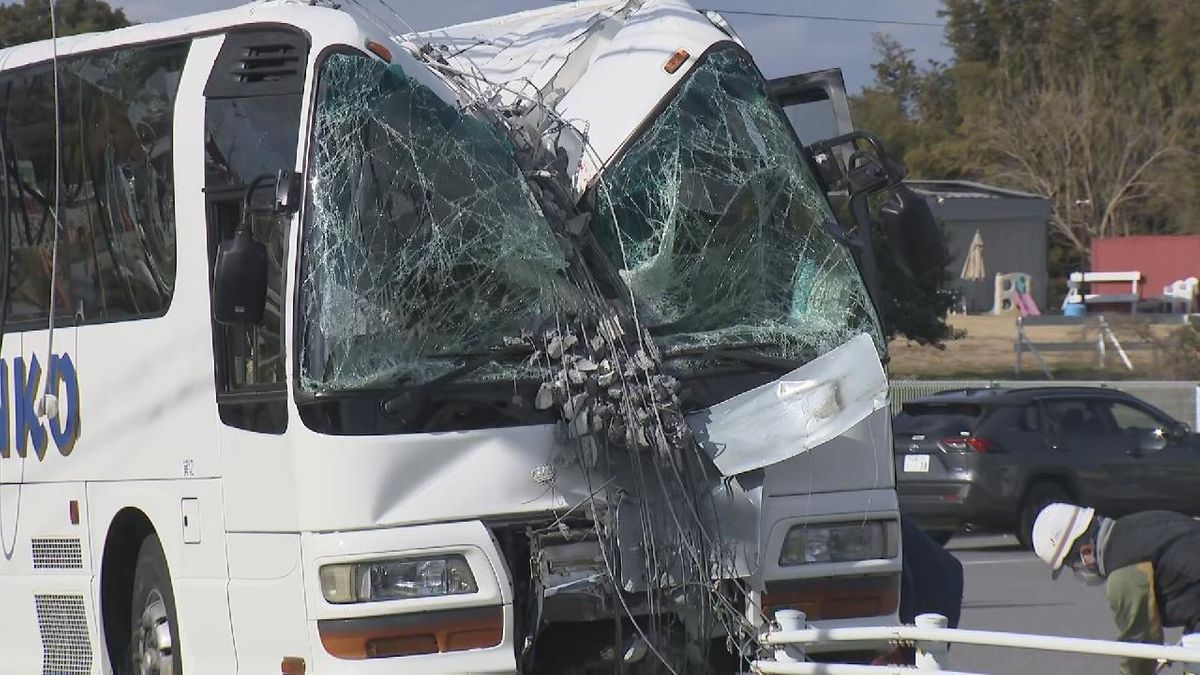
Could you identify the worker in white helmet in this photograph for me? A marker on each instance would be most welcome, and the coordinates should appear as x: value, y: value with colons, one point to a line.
x: 1149, y: 563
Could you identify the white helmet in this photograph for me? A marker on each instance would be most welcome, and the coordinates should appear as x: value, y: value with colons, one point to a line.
x: 1055, y: 531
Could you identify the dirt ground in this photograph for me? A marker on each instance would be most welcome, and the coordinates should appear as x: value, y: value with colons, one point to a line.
x: 987, y: 351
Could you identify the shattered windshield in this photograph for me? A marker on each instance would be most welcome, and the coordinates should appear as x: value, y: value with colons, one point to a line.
x: 423, y: 245
x: 717, y: 225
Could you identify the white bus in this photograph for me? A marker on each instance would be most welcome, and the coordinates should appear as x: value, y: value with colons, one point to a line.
x: 531, y: 345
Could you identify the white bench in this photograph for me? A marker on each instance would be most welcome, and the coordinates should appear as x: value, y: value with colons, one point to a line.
x: 1078, y: 279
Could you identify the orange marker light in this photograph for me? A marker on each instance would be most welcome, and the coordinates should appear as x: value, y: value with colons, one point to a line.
x: 430, y: 632
x: 73, y: 511
x: 379, y: 50
x: 677, y: 59
x: 292, y: 665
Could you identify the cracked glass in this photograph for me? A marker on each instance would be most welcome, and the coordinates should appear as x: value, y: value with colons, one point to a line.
x: 423, y: 247
x: 718, y: 226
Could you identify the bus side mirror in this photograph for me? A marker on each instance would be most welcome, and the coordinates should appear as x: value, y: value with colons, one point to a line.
x: 240, y: 280
x: 289, y: 186
x: 912, y: 231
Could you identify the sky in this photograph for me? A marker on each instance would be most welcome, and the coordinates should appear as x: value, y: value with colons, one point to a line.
x: 781, y: 46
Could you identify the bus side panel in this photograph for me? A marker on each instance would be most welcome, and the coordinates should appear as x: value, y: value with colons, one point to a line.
x: 187, y: 517
x: 266, y: 600
x: 45, y: 571
x: 145, y: 387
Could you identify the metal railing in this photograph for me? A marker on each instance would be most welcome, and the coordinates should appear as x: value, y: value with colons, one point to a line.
x: 1180, y: 400
x: 932, y: 640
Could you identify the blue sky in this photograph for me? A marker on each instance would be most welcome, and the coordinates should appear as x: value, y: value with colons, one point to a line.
x: 781, y: 46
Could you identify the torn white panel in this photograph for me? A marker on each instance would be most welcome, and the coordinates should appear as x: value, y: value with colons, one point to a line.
x: 796, y: 413
x: 529, y: 52
x: 597, y: 65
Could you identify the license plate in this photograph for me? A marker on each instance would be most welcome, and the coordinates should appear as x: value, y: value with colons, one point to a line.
x: 916, y: 463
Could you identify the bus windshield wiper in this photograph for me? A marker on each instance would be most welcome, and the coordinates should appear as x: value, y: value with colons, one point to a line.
x: 738, y: 353
x: 415, y: 395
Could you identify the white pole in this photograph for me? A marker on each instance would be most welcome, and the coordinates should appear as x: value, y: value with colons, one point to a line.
x: 1196, y: 426
x: 789, y: 620
x: 1192, y: 642
x: 932, y: 655
x: 809, y: 668
x: 1052, y: 643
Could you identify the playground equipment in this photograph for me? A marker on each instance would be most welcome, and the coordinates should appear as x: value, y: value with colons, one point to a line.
x: 1013, y: 293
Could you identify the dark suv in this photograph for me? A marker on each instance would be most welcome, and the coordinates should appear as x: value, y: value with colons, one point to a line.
x: 990, y: 459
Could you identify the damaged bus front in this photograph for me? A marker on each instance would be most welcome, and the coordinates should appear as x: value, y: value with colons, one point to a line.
x: 704, y: 219
x: 532, y: 345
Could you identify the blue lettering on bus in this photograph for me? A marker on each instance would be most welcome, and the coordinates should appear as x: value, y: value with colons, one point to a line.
x: 63, y: 379
x: 4, y: 414
x: 21, y: 407
x: 25, y: 391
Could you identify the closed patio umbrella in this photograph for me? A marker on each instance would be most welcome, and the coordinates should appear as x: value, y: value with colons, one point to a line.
x: 973, y: 267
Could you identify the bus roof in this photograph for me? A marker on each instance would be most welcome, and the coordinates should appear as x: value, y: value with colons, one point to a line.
x: 290, y: 12
x: 597, y: 64
x: 528, y: 48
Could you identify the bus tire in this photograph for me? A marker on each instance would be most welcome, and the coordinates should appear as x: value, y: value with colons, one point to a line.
x: 154, y: 625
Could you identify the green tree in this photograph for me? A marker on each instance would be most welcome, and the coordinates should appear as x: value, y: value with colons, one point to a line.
x: 30, y: 21
x: 1094, y: 104
x: 913, y: 110
x: 1146, y: 54
x: 913, y: 307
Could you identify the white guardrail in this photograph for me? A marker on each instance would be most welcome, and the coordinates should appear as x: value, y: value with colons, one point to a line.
x: 932, y: 640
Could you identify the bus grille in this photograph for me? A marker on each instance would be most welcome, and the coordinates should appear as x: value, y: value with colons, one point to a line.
x: 62, y: 622
x: 57, y: 554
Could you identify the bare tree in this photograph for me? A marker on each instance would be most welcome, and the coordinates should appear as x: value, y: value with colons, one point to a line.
x: 1086, y: 136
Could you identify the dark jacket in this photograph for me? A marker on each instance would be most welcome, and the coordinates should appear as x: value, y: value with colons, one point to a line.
x: 1171, y: 543
x: 932, y: 579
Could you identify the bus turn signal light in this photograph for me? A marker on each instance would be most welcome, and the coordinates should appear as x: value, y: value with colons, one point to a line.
x: 677, y: 59
x: 434, y: 632
x: 834, y: 598
x: 379, y: 50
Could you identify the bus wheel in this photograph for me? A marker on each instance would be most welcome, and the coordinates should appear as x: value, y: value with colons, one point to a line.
x: 154, y: 627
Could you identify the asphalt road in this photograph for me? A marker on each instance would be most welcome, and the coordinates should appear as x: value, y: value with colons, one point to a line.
x: 1009, y: 589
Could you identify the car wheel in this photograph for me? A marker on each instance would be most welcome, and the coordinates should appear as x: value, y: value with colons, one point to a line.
x: 1037, y: 497
x: 154, y: 636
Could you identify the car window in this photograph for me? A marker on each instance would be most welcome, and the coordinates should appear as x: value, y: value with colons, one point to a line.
x: 1132, y: 421
x: 1075, y: 416
x: 937, y: 418
x: 1030, y: 418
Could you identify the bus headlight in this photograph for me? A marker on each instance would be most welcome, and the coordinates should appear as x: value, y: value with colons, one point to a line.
x: 397, y: 579
x: 836, y: 542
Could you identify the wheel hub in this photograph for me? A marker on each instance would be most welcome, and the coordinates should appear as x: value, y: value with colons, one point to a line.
x: 153, y: 650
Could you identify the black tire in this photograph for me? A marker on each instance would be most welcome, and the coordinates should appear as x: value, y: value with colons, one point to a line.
x: 152, y: 603
x: 1038, y: 496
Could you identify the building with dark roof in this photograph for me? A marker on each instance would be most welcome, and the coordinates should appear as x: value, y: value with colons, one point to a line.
x: 1012, y: 225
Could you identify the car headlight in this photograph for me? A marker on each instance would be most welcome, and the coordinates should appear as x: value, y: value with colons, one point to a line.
x: 398, y: 579
x: 836, y: 542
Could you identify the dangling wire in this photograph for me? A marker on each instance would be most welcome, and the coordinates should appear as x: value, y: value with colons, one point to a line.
x: 57, y: 197
x: 5, y: 222
x: 5, y: 298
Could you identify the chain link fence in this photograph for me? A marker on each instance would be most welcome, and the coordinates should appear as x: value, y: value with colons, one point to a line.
x: 1181, y: 400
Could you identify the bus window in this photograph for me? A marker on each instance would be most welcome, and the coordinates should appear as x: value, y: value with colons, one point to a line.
x: 117, y: 210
